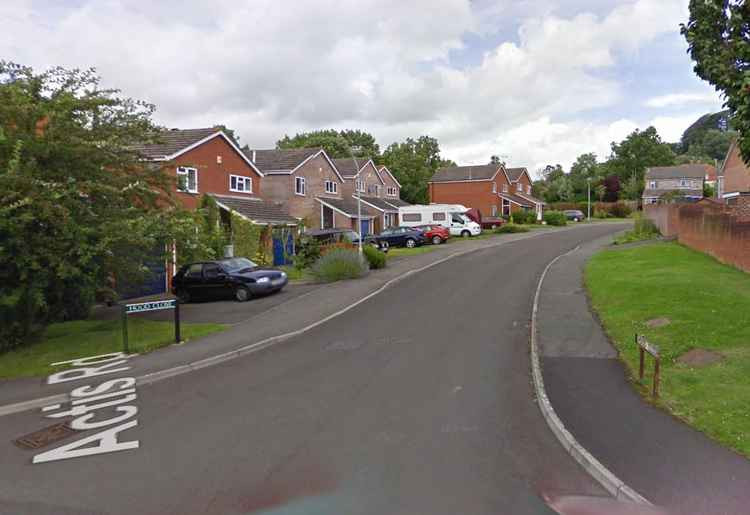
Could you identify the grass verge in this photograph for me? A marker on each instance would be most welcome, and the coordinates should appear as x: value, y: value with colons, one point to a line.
x: 295, y: 274
x: 69, y: 340
x: 706, y: 304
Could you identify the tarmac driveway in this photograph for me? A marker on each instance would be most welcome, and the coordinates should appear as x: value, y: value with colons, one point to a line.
x: 219, y: 311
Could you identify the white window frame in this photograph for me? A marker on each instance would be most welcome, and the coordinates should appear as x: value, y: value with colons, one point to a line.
x: 297, y: 182
x: 244, y: 179
x: 391, y: 191
x: 684, y: 183
x: 184, y: 171
x: 519, y: 187
x: 494, y: 210
x: 505, y: 188
x: 652, y: 185
x: 359, y: 185
x: 528, y: 189
x: 494, y: 187
x: 331, y: 187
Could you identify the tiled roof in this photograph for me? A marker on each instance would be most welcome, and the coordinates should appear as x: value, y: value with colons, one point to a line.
x: 396, y: 202
x: 515, y: 173
x: 692, y: 171
x: 465, y: 173
x: 684, y: 193
x: 383, y: 168
x: 530, y: 197
x: 347, y: 167
x: 257, y: 210
x: 349, y: 206
x: 172, y: 141
x: 379, y: 203
x: 515, y: 198
x: 279, y: 160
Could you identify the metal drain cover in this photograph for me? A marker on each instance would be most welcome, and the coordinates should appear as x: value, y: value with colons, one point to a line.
x: 45, y: 437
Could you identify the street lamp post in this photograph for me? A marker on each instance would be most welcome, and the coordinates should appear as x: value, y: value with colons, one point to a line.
x: 359, y: 201
x: 588, y: 180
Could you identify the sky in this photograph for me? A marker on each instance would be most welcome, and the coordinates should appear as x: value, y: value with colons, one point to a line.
x: 536, y: 82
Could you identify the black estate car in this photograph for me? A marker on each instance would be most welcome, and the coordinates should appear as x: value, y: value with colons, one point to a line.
x: 402, y: 237
x: 225, y: 278
x: 574, y: 214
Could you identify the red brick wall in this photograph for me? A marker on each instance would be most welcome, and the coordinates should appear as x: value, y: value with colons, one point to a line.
x: 476, y: 194
x: 213, y: 177
x: 715, y: 230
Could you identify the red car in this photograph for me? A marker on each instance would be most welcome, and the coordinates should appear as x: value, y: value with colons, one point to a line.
x: 436, y: 234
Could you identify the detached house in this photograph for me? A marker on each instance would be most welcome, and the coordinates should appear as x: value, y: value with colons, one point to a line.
x: 733, y: 186
x: 492, y: 189
x: 684, y: 181
x: 304, y: 181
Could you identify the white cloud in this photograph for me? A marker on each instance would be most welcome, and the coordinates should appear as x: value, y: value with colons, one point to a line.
x: 268, y: 67
x: 682, y: 99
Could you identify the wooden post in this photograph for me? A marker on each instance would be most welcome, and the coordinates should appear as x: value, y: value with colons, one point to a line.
x: 655, y: 391
x: 643, y: 359
x: 125, y: 346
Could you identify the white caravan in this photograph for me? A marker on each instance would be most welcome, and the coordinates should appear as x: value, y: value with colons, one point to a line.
x: 450, y: 216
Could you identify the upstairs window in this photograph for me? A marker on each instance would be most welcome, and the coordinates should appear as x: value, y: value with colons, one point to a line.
x: 505, y: 188
x: 494, y: 187
x: 652, y: 185
x: 240, y: 184
x: 391, y: 191
x: 360, y: 185
x: 299, y: 186
x: 684, y: 183
x: 528, y: 189
x: 187, y: 179
x: 332, y: 187
x: 519, y: 187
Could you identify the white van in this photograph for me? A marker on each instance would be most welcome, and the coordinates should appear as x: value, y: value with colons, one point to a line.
x: 450, y: 216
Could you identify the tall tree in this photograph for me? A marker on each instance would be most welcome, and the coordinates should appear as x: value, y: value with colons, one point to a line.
x: 640, y: 150
x: 584, y: 169
x: 717, y: 36
x: 76, y: 201
x: 335, y: 143
x: 414, y: 162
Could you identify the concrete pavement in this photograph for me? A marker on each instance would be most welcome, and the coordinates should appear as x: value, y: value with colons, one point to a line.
x: 415, y: 401
x: 663, y: 459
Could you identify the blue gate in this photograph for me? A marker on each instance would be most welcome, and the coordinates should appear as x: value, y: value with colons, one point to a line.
x: 279, y: 256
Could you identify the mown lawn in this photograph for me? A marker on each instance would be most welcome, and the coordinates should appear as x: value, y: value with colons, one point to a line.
x: 708, y: 305
x: 69, y: 340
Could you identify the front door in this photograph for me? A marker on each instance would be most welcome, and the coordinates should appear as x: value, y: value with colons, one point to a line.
x: 327, y: 217
x: 365, y: 225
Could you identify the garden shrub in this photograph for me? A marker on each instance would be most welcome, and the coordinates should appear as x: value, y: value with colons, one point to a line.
x: 375, y: 258
x: 338, y: 264
x: 555, y: 218
x: 620, y: 210
x: 308, y: 252
x: 511, y: 228
x: 524, y: 217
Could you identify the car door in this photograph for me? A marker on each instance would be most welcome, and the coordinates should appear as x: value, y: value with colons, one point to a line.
x: 386, y: 236
x: 192, y: 281
x: 214, y: 281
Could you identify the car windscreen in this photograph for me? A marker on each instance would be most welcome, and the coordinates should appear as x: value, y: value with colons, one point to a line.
x: 237, y: 264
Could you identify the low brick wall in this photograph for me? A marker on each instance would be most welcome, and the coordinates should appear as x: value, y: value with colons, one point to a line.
x: 713, y: 229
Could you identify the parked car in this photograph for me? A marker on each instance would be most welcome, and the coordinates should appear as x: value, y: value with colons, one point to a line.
x: 331, y: 236
x: 402, y: 237
x: 574, y: 214
x: 437, y: 234
x: 232, y: 277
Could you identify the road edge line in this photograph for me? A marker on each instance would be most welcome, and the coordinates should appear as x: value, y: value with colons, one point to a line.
x: 615, y: 486
x: 153, y: 377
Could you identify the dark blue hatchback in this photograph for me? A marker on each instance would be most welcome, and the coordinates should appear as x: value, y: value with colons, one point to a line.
x: 232, y: 277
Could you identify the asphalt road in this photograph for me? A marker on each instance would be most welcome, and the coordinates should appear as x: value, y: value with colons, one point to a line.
x: 418, y: 401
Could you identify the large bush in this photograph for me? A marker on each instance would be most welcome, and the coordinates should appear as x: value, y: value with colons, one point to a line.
x: 308, y: 252
x: 524, y: 217
x: 339, y: 264
x: 620, y: 210
x: 511, y: 228
x: 375, y: 258
x: 555, y: 218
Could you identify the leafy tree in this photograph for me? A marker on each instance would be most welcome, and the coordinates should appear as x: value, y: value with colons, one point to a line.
x: 414, y: 162
x: 584, y: 168
x: 640, y: 150
x: 335, y: 143
x: 708, y: 190
x: 76, y: 201
x: 495, y: 160
x: 612, y: 188
x: 717, y: 36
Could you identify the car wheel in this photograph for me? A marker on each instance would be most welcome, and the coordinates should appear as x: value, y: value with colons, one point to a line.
x: 437, y: 240
x: 465, y: 234
x: 411, y: 243
x: 241, y: 294
x: 183, y: 296
x: 374, y: 244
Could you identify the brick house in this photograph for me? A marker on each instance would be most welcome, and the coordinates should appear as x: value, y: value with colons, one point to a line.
x: 489, y: 188
x: 733, y: 182
x: 307, y: 183
x: 686, y: 181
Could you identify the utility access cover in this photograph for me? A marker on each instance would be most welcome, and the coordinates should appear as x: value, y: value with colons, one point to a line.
x: 45, y: 437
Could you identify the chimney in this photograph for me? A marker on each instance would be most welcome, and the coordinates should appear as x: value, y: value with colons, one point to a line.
x: 253, y: 159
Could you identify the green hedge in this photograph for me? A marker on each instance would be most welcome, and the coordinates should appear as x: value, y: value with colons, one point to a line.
x: 555, y: 218
x: 511, y: 229
x: 524, y: 217
x: 375, y: 258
